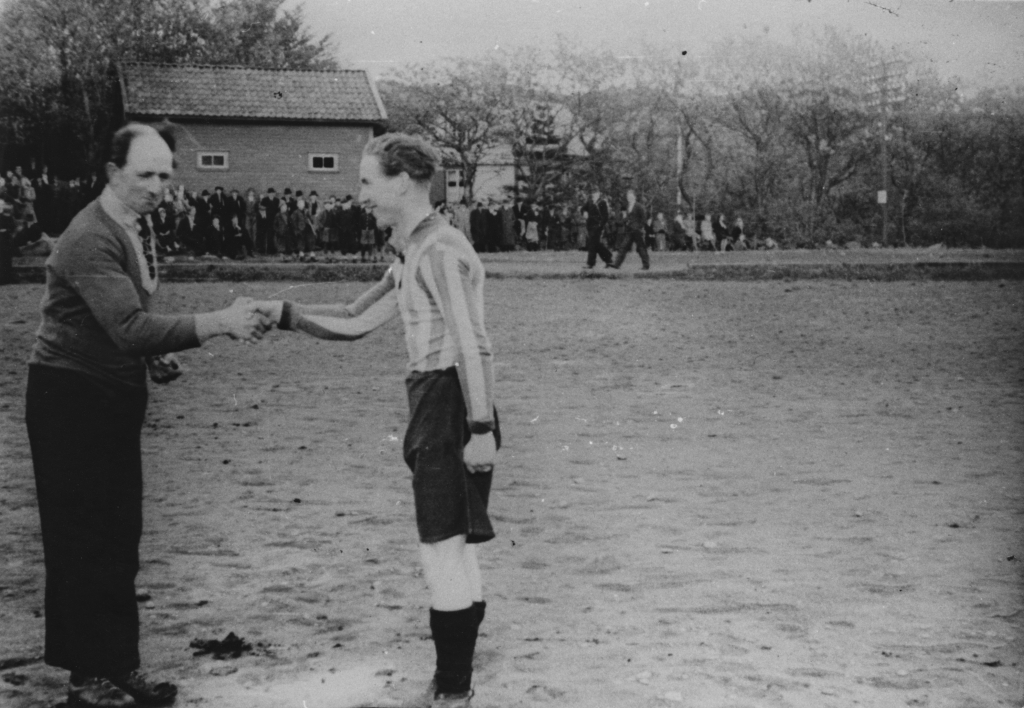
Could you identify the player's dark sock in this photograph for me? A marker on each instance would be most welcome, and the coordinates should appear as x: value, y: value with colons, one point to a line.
x: 480, y: 608
x: 455, y: 641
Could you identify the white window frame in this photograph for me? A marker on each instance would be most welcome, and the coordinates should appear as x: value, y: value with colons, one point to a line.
x: 332, y: 155
x: 212, y: 154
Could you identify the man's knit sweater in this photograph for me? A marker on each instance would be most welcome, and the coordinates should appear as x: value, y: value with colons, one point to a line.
x: 94, y: 312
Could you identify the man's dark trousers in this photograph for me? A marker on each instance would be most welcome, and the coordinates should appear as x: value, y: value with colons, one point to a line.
x: 633, y: 236
x: 86, y: 452
x: 595, y: 248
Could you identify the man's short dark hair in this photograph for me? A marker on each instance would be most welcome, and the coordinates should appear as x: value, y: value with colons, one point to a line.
x: 314, y: 194
x: 205, y: 193
x: 121, y: 143
x: 218, y: 188
x: 271, y: 189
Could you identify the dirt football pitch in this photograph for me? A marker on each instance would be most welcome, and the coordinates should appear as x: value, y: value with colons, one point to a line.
x: 712, y: 494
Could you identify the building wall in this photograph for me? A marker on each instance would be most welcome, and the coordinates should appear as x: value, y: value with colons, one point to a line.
x: 262, y: 156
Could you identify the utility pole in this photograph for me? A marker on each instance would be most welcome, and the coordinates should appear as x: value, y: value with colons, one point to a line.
x: 889, y: 81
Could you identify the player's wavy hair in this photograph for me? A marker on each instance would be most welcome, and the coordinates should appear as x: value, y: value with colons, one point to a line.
x: 400, y: 152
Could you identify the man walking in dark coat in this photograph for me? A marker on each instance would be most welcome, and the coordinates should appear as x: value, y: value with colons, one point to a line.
x: 633, y: 222
x: 597, y: 221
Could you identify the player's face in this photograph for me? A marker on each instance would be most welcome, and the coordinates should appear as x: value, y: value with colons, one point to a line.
x: 147, y: 171
x: 380, y: 193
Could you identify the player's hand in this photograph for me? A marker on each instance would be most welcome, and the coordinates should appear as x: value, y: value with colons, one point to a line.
x: 164, y: 368
x: 268, y: 309
x: 479, y: 453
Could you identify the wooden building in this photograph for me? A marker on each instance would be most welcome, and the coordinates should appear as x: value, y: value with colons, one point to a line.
x: 240, y: 128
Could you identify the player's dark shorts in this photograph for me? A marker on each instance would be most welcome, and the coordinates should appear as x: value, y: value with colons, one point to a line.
x: 450, y: 501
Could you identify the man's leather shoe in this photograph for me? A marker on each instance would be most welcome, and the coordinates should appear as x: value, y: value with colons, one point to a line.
x: 95, y: 692
x: 145, y: 691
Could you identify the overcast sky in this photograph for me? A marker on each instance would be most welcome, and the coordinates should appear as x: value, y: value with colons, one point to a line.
x: 981, y: 41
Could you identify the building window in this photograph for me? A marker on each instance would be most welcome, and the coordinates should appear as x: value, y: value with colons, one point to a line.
x: 212, y: 160
x: 323, y: 162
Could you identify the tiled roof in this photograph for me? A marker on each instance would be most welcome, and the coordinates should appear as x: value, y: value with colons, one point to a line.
x: 179, y: 91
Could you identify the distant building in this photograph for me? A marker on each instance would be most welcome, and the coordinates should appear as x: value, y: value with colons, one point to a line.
x: 259, y: 128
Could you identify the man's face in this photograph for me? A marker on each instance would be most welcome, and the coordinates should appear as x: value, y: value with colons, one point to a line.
x: 595, y: 196
x: 379, y: 193
x: 146, y: 173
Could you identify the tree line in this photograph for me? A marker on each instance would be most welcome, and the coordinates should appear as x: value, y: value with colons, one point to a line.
x: 787, y: 135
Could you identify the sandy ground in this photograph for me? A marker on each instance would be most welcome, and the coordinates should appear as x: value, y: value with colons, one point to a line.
x: 714, y: 494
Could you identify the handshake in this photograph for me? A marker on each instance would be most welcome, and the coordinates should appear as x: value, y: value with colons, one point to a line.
x: 246, y: 320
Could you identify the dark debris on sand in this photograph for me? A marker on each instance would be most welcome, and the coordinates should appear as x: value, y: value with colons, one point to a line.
x: 231, y: 647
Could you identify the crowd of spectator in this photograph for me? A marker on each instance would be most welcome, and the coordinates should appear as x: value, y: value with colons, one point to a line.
x: 189, y: 224
x: 508, y: 225
x: 34, y: 209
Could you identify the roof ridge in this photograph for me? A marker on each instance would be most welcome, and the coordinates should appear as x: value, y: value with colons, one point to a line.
x: 237, y: 67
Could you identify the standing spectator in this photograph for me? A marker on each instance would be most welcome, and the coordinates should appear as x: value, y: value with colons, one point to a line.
x: 494, y: 228
x: 348, y: 226
x: 264, y: 240
x: 236, y: 206
x: 302, y: 232
x: 721, y: 232
x: 271, y: 201
x: 204, y: 211
x: 44, y: 200
x: 330, y: 225
x: 633, y: 221
x: 181, y: 202
x: 508, y: 227
x: 736, y: 235
x: 579, y: 228
x: 367, y: 237
x: 28, y: 201
x: 659, y: 228
x: 596, y: 211
x: 219, y: 205
x: 283, y: 239
x: 707, y: 234
x: 531, y: 234
x: 250, y: 212
x: 478, y: 227
x: 460, y: 217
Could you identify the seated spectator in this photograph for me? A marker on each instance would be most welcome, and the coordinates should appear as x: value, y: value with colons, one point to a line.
x: 736, y: 235
x: 237, y: 243
x: 213, y: 237
x: 189, y: 234
x: 163, y: 229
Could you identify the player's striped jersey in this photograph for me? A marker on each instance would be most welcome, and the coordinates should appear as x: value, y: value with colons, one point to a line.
x: 440, y: 295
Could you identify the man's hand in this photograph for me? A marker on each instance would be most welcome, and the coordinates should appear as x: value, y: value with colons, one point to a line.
x: 478, y: 455
x: 163, y: 368
x: 242, y: 321
x: 270, y: 310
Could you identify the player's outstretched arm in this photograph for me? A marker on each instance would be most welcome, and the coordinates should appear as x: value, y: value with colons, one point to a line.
x: 292, y: 316
x: 360, y: 305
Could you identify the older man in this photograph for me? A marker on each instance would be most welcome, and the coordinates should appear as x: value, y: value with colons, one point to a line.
x: 85, y: 406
